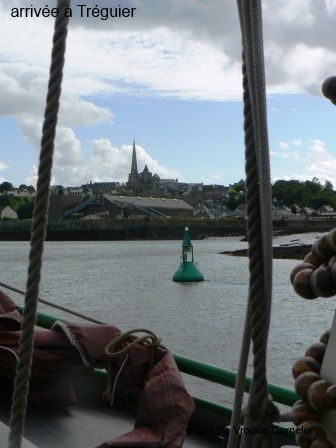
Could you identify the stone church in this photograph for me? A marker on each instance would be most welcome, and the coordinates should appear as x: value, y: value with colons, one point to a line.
x: 140, y: 183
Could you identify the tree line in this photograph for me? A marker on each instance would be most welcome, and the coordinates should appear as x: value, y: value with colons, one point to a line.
x: 22, y: 205
x: 310, y: 193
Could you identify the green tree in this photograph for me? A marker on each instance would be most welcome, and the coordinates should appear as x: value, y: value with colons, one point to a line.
x: 328, y: 186
x: 5, y: 187
x: 25, y: 210
x: 5, y: 200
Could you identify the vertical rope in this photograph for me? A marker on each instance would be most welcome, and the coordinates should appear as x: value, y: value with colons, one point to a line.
x: 21, y: 383
x: 259, y: 200
x: 254, y: 253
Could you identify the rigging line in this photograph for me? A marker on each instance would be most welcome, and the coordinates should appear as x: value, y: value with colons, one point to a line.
x: 54, y: 305
x: 260, y: 408
x: 21, y: 383
x: 255, y: 255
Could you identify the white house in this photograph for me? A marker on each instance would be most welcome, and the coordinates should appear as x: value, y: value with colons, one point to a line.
x: 8, y: 213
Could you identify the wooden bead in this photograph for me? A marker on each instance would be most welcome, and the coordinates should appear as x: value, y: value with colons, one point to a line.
x: 322, y: 283
x: 316, y: 351
x: 316, y: 396
x: 325, y: 337
x: 325, y: 247
x: 320, y: 256
x: 321, y: 443
x: 309, y: 258
x: 301, y: 284
x: 303, y: 412
x: 306, y: 436
x: 331, y: 262
x: 331, y: 396
x: 304, y: 381
x: 331, y: 237
x: 305, y: 364
x: 333, y: 272
x: 299, y: 268
x: 329, y: 87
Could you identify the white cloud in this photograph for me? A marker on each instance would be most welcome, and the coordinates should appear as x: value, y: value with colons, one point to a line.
x: 186, y: 49
x: 104, y: 163
x: 289, y: 155
x: 23, y: 93
x: 31, y: 179
x: 283, y: 145
x: 214, y: 178
x: 109, y: 162
x: 297, y: 142
x: 316, y: 162
x: 3, y: 166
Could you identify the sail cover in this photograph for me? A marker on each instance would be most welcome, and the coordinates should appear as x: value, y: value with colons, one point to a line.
x: 69, y: 350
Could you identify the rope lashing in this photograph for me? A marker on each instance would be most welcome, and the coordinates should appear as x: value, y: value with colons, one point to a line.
x: 39, y: 223
x: 149, y: 340
x: 260, y: 410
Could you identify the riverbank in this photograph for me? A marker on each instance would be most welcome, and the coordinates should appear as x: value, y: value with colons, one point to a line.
x: 281, y: 252
x: 108, y: 230
x: 154, y: 229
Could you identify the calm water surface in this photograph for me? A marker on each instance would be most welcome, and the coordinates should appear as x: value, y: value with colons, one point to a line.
x: 128, y: 284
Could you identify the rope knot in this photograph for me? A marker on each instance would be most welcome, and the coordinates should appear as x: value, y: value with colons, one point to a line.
x: 149, y: 340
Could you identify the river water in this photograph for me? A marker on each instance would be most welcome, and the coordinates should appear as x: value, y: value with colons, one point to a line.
x: 128, y: 284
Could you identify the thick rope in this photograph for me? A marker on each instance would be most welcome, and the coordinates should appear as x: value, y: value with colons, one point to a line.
x: 260, y: 410
x: 149, y: 340
x: 21, y: 384
x: 54, y: 305
x: 254, y: 253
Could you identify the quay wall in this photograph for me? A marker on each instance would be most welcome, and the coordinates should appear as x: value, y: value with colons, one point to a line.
x: 100, y: 230
x: 77, y: 230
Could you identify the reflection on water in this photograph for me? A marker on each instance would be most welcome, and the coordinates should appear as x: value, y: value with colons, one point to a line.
x: 128, y: 283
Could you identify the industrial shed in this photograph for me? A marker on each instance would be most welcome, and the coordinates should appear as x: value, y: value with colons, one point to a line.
x: 133, y: 207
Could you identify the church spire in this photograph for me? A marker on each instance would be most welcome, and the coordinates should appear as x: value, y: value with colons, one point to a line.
x: 134, y: 167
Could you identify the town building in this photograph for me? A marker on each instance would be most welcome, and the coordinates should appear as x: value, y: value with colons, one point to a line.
x: 7, y: 213
x: 139, y: 183
x: 59, y: 204
x: 117, y: 207
x: 146, y: 183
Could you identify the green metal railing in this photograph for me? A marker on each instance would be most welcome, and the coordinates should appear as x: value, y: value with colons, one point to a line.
x: 208, y: 372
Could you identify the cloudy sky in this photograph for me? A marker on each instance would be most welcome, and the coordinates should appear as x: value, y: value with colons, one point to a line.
x: 170, y: 78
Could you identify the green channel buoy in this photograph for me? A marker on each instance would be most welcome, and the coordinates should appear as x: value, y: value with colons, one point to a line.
x: 187, y: 272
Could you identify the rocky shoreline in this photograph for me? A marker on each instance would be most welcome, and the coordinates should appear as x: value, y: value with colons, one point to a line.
x: 292, y: 252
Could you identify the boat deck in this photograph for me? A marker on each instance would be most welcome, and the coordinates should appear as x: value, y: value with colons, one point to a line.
x: 85, y: 425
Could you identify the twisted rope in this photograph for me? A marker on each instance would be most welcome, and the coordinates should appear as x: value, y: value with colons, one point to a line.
x: 54, y: 305
x: 261, y: 410
x: 21, y: 384
x: 149, y: 340
x: 254, y: 252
